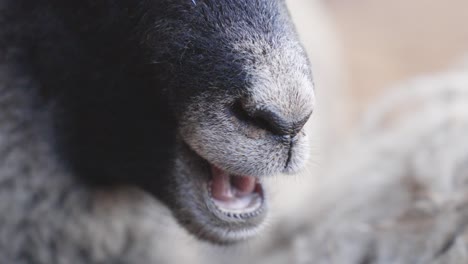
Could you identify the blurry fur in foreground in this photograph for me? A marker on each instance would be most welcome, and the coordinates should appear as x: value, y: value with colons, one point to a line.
x: 398, y: 193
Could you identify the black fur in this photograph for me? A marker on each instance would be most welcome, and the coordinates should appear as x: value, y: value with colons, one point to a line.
x: 118, y: 73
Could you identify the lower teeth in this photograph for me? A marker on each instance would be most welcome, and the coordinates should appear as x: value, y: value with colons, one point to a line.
x: 252, y: 211
x: 242, y: 216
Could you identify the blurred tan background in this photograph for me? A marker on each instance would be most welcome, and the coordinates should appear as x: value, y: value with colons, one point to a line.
x: 386, y: 42
x: 359, y: 49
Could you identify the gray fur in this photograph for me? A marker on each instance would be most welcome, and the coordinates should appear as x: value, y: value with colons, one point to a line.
x: 49, y: 218
x: 280, y: 80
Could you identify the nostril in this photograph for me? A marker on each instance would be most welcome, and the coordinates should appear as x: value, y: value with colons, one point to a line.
x: 268, y: 120
x: 271, y: 121
x: 257, y: 118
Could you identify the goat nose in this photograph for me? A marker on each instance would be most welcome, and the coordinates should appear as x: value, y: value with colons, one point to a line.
x: 270, y: 119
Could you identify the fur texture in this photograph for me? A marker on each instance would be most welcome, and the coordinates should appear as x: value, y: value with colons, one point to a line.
x: 111, y: 107
x: 48, y: 217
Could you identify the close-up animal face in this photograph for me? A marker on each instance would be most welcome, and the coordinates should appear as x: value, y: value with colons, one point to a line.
x: 244, y: 122
x: 249, y: 93
x: 195, y: 101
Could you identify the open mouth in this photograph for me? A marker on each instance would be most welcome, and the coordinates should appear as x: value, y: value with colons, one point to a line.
x: 235, y: 196
x: 224, y: 207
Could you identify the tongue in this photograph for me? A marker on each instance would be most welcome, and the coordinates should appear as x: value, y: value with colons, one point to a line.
x: 220, y: 185
x: 244, y: 185
x: 226, y: 188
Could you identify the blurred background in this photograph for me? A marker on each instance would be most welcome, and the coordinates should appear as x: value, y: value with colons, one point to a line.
x: 383, y: 43
x: 360, y: 50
